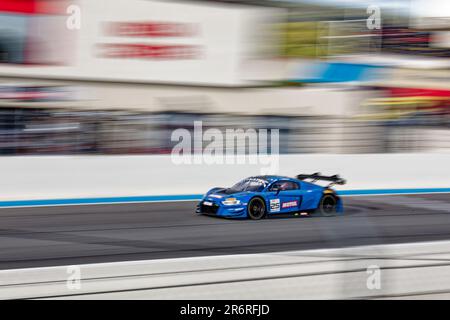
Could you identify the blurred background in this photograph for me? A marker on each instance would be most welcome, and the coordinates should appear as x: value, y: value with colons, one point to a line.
x: 117, y: 77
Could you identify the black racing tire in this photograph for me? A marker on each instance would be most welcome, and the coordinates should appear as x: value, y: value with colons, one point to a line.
x: 328, y: 205
x: 256, y: 209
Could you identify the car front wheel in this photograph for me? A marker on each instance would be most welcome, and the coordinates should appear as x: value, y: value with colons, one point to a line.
x: 256, y: 209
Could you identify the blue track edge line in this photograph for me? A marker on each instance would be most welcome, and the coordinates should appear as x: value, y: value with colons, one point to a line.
x: 391, y: 191
x: 192, y: 197
x: 106, y: 200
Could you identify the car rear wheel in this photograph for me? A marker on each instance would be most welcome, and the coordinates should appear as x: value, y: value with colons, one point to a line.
x: 256, y: 209
x: 328, y: 205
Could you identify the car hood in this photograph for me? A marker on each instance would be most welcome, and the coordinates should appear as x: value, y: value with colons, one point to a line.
x: 222, y: 194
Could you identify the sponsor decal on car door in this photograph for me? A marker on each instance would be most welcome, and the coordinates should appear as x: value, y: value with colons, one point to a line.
x: 274, y: 205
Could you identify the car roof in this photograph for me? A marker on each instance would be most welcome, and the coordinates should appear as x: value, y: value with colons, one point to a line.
x: 272, y: 178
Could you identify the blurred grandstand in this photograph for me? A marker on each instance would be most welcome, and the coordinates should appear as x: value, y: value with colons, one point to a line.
x: 314, y: 71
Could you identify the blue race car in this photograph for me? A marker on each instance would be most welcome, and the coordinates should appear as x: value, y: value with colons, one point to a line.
x: 260, y: 196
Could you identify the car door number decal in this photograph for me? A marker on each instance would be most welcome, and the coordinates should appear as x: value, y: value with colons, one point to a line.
x: 274, y: 205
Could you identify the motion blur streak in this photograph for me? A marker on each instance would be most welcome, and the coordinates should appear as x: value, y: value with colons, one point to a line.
x: 319, y: 74
x: 91, y: 92
x: 48, y: 236
x: 309, y: 274
x: 35, y: 238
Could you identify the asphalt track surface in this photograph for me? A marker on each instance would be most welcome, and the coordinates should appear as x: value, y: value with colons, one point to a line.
x: 67, y: 235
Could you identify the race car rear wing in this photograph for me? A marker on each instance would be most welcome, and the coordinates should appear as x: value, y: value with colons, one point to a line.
x: 336, y: 179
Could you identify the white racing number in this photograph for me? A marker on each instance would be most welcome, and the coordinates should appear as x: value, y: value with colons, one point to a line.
x: 275, y: 205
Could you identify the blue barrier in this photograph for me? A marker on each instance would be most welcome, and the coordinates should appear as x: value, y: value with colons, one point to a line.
x: 192, y: 197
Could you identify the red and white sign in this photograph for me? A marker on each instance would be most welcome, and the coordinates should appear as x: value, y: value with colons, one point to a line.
x: 161, y: 42
x: 290, y: 204
x: 149, y: 30
x: 34, y: 6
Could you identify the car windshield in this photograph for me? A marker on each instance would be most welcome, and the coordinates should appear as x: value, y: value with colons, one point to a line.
x: 256, y: 185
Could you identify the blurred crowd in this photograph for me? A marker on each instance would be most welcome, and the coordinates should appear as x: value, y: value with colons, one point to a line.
x: 44, y: 131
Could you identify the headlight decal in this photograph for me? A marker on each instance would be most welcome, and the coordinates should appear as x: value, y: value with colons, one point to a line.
x: 231, y: 201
